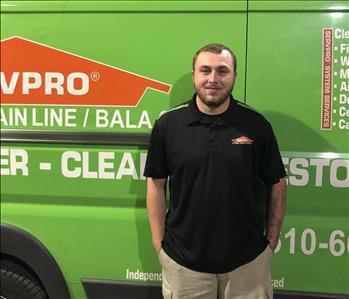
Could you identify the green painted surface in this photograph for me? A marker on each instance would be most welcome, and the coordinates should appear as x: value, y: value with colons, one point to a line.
x: 94, y: 200
x: 284, y: 83
x: 152, y: 51
x: 110, y: 6
x: 276, y: 5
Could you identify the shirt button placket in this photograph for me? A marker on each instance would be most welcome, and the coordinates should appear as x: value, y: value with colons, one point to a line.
x: 213, y: 137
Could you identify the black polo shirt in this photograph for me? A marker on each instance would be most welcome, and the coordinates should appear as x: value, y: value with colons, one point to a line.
x: 216, y: 167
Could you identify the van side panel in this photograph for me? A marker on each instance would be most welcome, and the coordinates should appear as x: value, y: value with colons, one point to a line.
x: 287, y: 80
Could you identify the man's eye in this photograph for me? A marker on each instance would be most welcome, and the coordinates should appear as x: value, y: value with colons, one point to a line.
x: 205, y: 71
x: 223, y: 71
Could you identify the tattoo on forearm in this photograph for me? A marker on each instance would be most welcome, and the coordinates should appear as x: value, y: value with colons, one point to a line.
x: 276, y: 215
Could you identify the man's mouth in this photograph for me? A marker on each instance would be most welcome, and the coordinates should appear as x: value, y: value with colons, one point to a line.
x: 212, y: 88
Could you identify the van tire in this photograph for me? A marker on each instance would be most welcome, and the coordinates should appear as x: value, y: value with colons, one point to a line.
x: 17, y: 286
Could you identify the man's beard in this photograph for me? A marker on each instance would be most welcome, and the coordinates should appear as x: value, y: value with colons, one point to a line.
x: 215, y: 103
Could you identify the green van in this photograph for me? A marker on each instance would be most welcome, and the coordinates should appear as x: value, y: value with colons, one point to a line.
x: 82, y: 83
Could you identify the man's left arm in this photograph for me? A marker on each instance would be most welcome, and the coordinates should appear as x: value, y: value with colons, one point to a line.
x: 276, y: 213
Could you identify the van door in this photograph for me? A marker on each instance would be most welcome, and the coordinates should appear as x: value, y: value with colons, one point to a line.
x: 297, y: 76
x: 83, y: 84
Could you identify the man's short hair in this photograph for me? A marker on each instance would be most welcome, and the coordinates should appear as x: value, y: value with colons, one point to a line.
x: 217, y: 49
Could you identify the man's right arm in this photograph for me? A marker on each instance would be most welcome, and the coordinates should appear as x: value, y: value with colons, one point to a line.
x: 156, y: 205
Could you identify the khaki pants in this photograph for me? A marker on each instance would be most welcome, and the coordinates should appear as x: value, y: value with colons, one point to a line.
x: 250, y: 281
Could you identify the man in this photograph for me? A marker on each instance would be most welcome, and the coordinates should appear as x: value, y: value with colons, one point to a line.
x: 217, y: 154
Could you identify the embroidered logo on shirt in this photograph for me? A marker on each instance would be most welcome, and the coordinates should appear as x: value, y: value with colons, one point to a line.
x: 242, y: 140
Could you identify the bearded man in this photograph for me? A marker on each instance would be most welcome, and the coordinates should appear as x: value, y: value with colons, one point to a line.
x: 217, y: 154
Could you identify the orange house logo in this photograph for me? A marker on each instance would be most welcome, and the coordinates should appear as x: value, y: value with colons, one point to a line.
x: 33, y: 73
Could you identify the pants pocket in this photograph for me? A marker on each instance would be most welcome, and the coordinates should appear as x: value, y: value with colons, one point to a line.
x: 160, y: 257
x: 166, y: 293
x: 269, y: 294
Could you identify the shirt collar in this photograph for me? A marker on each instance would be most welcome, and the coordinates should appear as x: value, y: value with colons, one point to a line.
x: 231, y: 115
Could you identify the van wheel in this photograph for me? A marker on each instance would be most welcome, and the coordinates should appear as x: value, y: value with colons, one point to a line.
x: 19, y: 286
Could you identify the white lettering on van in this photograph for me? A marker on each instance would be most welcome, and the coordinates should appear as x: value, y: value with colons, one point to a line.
x: 343, y: 99
x: 121, y: 119
x: 41, y: 117
x: 300, y: 176
x: 13, y: 160
x: 343, y: 111
x: 127, y: 167
x: 334, y: 171
x: 55, y: 81
x: 344, y: 86
x: 301, y: 171
x: 343, y: 124
x: 76, y: 164
x: 67, y: 159
x: 75, y: 84
x: 341, y: 33
x: 344, y: 73
x: 106, y: 165
x: 344, y: 60
x: 344, y: 48
x: 8, y: 88
x: 319, y: 166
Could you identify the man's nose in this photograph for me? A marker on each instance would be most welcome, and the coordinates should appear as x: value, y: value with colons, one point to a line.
x: 212, y: 77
